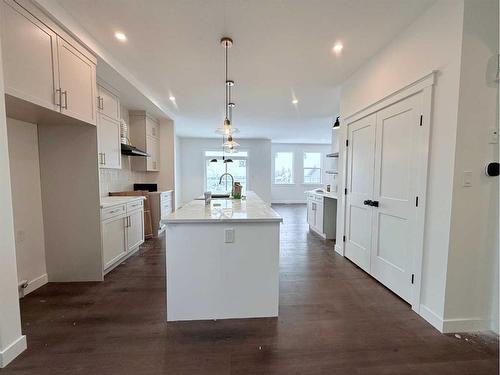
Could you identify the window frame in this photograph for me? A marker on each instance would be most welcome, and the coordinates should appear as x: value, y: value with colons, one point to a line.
x: 292, y: 169
x: 320, y: 168
x: 206, y: 158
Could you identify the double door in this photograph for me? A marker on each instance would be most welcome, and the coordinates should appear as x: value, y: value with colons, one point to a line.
x: 382, y: 200
x: 43, y: 68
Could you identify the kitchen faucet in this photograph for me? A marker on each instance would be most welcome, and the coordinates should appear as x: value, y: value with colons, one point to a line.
x: 232, y: 182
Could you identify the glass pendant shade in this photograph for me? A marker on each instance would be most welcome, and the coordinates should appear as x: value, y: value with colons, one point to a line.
x: 230, y: 144
x: 227, y: 129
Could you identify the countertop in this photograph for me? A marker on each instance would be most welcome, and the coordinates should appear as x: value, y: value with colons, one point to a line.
x: 322, y: 194
x: 113, y: 201
x: 251, y: 209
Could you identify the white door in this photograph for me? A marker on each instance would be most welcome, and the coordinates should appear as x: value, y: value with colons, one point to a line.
x: 114, y: 242
x: 360, y: 171
x: 108, y: 142
x: 77, y: 82
x: 394, y: 228
x: 135, y: 229
x: 29, y: 57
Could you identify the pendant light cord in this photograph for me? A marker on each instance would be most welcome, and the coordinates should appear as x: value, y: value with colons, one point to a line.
x: 225, y: 83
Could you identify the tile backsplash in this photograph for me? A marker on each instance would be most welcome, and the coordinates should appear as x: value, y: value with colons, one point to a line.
x: 112, y: 180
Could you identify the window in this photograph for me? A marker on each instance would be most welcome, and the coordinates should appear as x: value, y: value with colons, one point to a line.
x: 213, y: 171
x: 283, y: 168
x: 312, y: 168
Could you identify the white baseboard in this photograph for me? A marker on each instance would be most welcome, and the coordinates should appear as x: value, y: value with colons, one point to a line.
x: 339, y: 250
x: 289, y: 201
x: 12, y: 351
x: 35, y: 284
x: 434, y: 319
x: 466, y: 325
x: 454, y: 325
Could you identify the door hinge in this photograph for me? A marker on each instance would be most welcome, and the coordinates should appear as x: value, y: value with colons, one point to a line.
x: 346, y: 143
x: 412, y: 278
x: 416, y: 201
x: 343, y: 239
x: 421, y: 119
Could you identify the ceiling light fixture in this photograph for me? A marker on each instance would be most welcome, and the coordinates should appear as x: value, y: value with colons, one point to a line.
x: 172, y: 98
x: 120, y: 36
x: 337, y: 48
x: 295, y: 101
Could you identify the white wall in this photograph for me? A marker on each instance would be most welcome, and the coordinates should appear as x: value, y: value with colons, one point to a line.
x: 12, y: 342
x: 192, y: 164
x: 294, y: 193
x: 473, y: 259
x: 432, y: 42
x: 27, y: 203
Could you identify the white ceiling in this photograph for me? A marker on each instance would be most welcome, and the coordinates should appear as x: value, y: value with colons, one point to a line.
x: 283, y: 48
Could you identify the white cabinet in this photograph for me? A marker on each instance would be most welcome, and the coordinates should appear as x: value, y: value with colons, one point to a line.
x: 108, y: 103
x: 108, y: 141
x: 161, y: 206
x: 45, y: 68
x: 153, y: 149
x: 144, y: 132
x: 77, y: 83
x: 122, y: 230
x: 322, y: 214
x: 29, y: 57
x: 135, y: 229
x: 114, y: 240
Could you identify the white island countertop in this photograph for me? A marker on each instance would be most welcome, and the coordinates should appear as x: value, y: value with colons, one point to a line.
x: 122, y: 199
x: 251, y: 209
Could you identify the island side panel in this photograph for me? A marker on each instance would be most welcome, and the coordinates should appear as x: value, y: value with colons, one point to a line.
x: 210, y: 279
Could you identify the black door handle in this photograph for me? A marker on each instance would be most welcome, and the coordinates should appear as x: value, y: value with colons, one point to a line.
x: 367, y: 202
x: 374, y: 204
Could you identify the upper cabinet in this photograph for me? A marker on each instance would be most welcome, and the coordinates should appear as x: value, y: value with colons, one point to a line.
x: 144, y: 133
x: 44, y: 66
x: 108, y: 128
x: 108, y: 103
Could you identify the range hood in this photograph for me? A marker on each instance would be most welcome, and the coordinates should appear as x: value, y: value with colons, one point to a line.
x: 133, y: 151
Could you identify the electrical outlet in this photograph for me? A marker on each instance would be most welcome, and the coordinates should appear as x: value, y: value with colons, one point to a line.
x: 229, y: 235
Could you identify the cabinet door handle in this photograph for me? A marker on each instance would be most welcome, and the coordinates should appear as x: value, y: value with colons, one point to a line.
x: 100, y: 158
x: 58, y: 96
x: 102, y: 103
x: 374, y: 203
x: 65, y: 93
x: 104, y: 156
x: 367, y: 202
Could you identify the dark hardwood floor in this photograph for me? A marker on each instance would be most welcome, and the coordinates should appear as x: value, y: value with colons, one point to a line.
x: 334, y: 319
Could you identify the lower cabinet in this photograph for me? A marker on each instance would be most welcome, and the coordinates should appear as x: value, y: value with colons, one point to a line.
x: 322, y: 215
x: 122, y: 230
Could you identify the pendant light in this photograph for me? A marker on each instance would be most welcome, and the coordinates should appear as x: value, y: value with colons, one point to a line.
x: 227, y: 129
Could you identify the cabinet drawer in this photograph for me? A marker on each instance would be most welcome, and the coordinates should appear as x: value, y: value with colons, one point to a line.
x: 134, y: 205
x: 109, y: 212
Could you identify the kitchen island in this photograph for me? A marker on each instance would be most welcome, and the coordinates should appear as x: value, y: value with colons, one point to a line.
x: 222, y: 260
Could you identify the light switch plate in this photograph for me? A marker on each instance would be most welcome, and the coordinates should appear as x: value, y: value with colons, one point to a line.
x: 229, y: 235
x: 467, y: 179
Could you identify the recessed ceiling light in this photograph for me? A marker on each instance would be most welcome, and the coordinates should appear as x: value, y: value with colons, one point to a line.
x: 295, y: 101
x: 337, y: 48
x: 120, y: 36
x: 172, y: 98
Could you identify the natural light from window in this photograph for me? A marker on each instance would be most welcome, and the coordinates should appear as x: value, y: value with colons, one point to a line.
x: 283, y: 168
x: 312, y: 168
x: 213, y: 171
